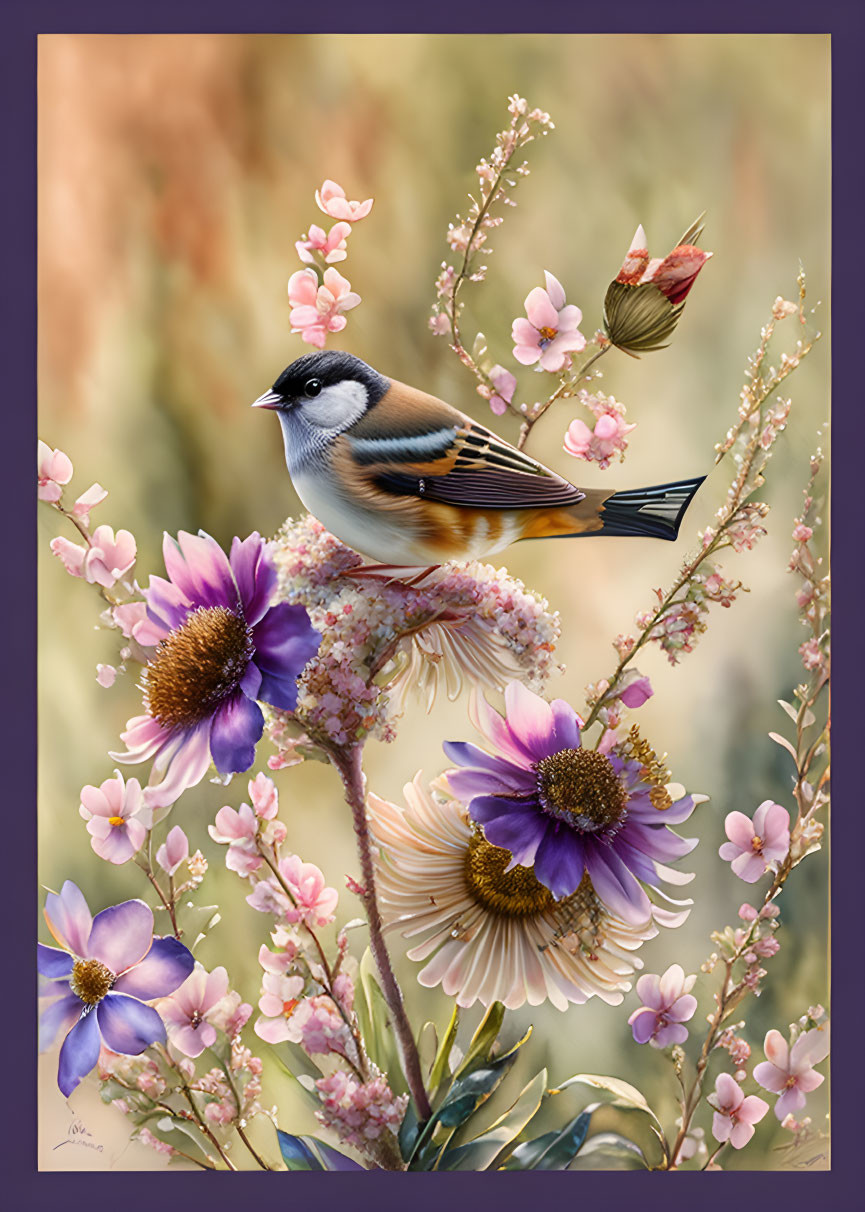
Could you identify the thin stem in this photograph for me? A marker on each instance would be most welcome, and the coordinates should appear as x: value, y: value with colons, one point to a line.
x: 167, y: 903
x: 184, y: 1085
x: 348, y: 764
x: 564, y: 388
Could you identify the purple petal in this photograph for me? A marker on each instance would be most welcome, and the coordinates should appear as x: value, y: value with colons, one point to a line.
x: 128, y: 1025
x: 749, y: 867
x: 615, y: 885
x: 285, y: 640
x: 519, y: 832
x: 488, y: 722
x: 560, y: 862
x: 770, y: 1077
x: 199, y: 567
x: 671, y: 1033
x: 648, y: 990
x: 237, y: 728
x: 79, y: 1053
x: 470, y: 784
x: 166, y: 965
x: 52, y: 962
x: 638, y: 863
x: 57, y: 1018
x: 683, y: 1008
x: 642, y: 808
x: 121, y: 935
x: 643, y: 1023
x: 167, y: 606
x: 190, y: 1040
x: 69, y: 918
x: 659, y: 843
x: 184, y: 760
x: 250, y: 683
x: 530, y: 720
x: 255, y: 576
x: 505, y: 774
x: 279, y: 692
x: 566, y: 725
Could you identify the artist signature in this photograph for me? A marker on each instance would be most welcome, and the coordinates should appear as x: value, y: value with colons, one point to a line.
x: 78, y: 1134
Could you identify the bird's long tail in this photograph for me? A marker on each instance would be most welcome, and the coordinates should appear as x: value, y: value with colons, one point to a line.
x: 654, y: 512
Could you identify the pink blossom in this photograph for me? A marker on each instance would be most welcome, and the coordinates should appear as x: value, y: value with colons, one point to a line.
x: 237, y: 829
x: 317, y: 310
x: 153, y: 1142
x: 264, y: 796
x: 187, y: 1012
x: 173, y: 851
x: 667, y: 1004
x: 109, y: 558
x: 550, y: 334
x: 71, y: 555
x: 747, y: 912
x: 754, y: 845
x: 331, y: 245
x: 735, y: 1115
x: 359, y: 1112
x: 316, y: 902
x: 132, y: 620
x: 88, y: 500
x: 636, y: 693
x: 332, y: 200
x: 280, y: 995
x: 505, y: 384
x: 53, y: 469
x: 790, y: 1071
x: 117, y: 818
x: 811, y: 654
x: 105, y: 675
x: 598, y: 445
x: 230, y: 1014
x: 802, y: 533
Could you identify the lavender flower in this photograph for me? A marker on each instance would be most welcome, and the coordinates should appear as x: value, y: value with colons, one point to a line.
x: 109, y: 966
x: 566, y: 810
x: 667, y: 1004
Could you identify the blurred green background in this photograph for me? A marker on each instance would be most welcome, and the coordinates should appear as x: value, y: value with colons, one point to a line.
x: 175, y: 174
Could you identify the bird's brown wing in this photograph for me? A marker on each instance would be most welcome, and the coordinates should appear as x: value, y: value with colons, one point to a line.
x: 412, y: 444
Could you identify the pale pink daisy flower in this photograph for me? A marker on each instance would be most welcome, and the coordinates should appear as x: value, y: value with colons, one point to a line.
x: 753, y: 845
x: 790, y: 1071
x: 173, y: 851
x: 667, y: 1005
x: 735, y: 1115
x: 489, y: 933
x: 117, y: 818
x: 551, y: 333
x: 317, y: 310
x: 332, y: 200
x: 53, y: 470
x: 188, y: 1011
x: 331, y: 245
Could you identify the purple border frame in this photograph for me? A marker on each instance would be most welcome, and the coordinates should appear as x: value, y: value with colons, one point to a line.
x: 20, y: 22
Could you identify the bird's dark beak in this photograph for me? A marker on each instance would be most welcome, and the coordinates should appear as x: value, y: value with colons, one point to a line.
x: 269, y: 400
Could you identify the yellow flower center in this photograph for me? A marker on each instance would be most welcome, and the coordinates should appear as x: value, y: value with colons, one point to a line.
x: 91, y: 980
x: 198, y: 666
x: 515, y: 893
x: 580, y: 787
x: 757, y: 844
x: 116, y: 821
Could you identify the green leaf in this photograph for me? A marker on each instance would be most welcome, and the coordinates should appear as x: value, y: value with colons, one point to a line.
x: 427, y: 1045
x: 440, y: 1068
x: 478, y: 1051
x: 480, y: 1153
x: 609, y: 1151
x: 469, y: 1092
x: 625, y: 1096
x: 553, y: 1150
x: 374, y: 1018
x: 408, y: 1132
x: 180, y: 1133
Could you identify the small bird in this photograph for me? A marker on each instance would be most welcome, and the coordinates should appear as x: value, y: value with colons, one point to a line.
x: 405, y: 479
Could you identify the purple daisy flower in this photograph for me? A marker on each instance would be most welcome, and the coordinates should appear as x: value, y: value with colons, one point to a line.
x: 565, y: 810
x: 109, y: 966
x: 220, y: 647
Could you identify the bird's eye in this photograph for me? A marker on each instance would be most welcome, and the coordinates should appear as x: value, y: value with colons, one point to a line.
x: 312, y: 388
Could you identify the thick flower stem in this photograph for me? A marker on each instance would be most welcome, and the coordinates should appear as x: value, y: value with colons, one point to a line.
x: 348, y: 763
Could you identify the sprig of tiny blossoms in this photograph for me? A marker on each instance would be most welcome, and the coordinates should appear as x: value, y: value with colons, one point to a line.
x: 755, y: 940
x: 679, y: 617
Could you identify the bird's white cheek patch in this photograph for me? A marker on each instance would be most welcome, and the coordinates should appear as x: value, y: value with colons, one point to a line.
x: 338, y: 406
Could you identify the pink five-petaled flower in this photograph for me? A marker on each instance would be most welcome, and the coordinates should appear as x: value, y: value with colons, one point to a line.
x: 550, y: 334
x: 330, y: 244
x: 117, y: 818
x: 317, y: 310
x: 316, y: 902
x: 264, y: 796
x: 109, y: 966
x: 332, y: 200
x: 735, y: 1115
x: 53, y: 469
x: 173, y: 851
x: 597, y: 445
x: 109, y: 557
x: 238, y: 829
x: 280, y: 995
x: 667, y: 1004
x: 674, y: 275
x: 789, y: 1071
x: 222, y: 648
x: 754, y: 845
x: 188, y: 1010
x: 88, y: 500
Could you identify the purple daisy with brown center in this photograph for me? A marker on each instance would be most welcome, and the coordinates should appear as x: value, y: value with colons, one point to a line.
x: 564, y: 810
x: 220, y: 649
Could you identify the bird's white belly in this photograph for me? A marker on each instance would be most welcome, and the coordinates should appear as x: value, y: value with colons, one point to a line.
x: 387, y: 538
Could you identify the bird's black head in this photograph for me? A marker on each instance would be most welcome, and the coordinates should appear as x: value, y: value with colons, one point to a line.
x: 328, y: 387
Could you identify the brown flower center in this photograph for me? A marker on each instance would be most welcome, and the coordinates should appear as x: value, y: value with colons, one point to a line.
x: 91, y: 980
x: 516, y: 893
x: 198, y: 666
x: 580, y: 787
